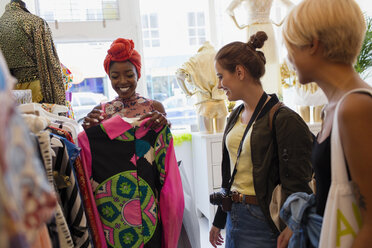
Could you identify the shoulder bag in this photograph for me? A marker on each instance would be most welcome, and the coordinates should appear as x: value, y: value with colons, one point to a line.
x: 342, y: 218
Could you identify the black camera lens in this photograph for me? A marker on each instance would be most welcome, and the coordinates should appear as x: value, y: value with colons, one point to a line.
x: 216, y: 198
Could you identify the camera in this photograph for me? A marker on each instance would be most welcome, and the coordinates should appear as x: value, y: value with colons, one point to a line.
x: 221, y: 199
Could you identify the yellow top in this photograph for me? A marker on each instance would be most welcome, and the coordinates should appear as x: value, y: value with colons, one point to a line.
x: 243, y: 182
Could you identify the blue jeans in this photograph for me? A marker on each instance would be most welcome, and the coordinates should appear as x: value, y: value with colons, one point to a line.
x: 247, y: 227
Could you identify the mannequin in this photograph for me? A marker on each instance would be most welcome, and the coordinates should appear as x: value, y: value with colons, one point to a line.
x: 306, y: 96
x: 27, y: 44
x: 310, y: 95
x: 258, y: 19
x: 210, y: 105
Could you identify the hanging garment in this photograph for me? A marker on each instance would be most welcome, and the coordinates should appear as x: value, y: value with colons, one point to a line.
x: 84, y: 184
x: 42, y: 239
x: 64, y: 235
x: 27, y: 45
x: 26, y: 179
x: 26, y: 199
x: 67, y: 80
x: 136, y: 183
x: 12, y: 230
x: 70, y: 195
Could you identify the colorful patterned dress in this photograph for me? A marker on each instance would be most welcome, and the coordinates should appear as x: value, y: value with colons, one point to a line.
x: 136, y: 183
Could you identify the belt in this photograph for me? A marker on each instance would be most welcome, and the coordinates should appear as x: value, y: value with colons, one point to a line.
x: 245, y: 199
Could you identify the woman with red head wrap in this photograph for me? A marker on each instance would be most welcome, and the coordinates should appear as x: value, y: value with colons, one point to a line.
x: 130, y: 169
x: 123, y: 66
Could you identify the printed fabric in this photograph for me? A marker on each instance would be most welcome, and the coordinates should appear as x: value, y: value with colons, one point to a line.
x: 11, y: 227
x: 130, y: 108
x: 136, y: 183
x: 64, y: 235
x: 69, y: 191
x: 26, y: 200
x: 25, y: 178
x: 27, y: 44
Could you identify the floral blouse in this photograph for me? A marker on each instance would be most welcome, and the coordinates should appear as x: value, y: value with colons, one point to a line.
x: 130, y: 108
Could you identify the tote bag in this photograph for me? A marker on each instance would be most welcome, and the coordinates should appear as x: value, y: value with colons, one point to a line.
x: 342, y: 218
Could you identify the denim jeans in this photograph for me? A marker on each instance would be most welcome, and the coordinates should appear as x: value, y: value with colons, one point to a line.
x: 247, y: 227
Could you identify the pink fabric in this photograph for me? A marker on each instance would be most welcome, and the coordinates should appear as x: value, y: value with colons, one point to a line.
x: 42, y: 239
x: 86, y: 160
x: 142, y: 131
x: 171, y: 200
x: 115, y: 126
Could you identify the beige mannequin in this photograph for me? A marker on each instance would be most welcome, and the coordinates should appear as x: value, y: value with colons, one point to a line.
x: 306, y: 96
x: 304, y: 111
x: 309, y: 95
x: 258, y: 19
x: 199, y: 73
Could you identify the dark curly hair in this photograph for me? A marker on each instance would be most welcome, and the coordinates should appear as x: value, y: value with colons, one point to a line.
x: 245, y: 54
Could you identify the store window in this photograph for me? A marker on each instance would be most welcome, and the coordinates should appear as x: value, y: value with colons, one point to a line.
x: 196, y: 28
x: 182, y: 33
x: 90, y: 84
x: 150, y: 30
x: 78, y: 10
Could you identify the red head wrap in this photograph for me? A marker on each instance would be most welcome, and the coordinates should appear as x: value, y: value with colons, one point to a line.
x: 122, y: 50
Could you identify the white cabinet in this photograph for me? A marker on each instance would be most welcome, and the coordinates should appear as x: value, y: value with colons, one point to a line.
x: 207, y: 157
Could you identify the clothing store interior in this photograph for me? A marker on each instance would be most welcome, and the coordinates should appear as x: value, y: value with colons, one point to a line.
x: 115, y: 121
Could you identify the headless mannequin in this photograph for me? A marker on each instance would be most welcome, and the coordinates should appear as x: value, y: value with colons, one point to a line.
x: 305, y: 95
x: 258, y: 19
x: 310, y: 95
x: 206, y: 124
x: 199, y: 72
x: 31, y: 54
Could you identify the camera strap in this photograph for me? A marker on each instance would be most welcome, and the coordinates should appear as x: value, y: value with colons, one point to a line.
x: 256, y: 111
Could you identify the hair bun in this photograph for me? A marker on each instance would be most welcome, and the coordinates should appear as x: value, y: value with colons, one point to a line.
x: 121, y: 49
x: 257, y: 40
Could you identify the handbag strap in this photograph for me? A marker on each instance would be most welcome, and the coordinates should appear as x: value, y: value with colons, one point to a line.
x: 257, y: 110
x: 338, y: 162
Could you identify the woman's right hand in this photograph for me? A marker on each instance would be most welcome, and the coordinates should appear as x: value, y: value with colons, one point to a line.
x: 93, y: 118
x: 215, y: 237
x: 284, y: 237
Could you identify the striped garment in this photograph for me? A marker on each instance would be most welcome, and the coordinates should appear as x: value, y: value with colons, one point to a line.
x: 64, y: 234
x: 70, y: 196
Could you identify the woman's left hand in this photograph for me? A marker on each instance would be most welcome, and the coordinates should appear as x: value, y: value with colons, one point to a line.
x: 157, y: 119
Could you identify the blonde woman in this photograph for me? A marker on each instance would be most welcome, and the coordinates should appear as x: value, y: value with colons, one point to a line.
x: 323, y: 39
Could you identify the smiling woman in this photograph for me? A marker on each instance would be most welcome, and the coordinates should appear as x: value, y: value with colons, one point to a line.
x: 123, y: 66
x: 130, y: 158
x: 123, y: 76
